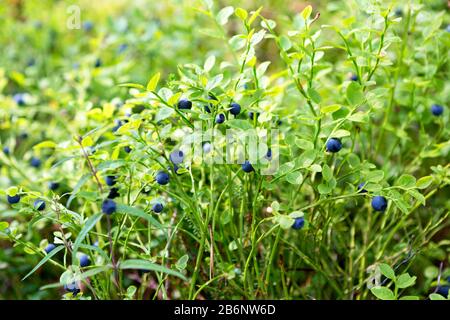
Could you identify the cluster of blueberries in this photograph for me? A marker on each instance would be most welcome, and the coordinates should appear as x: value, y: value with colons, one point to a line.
x: 379, y: 203
x: 333, y: 145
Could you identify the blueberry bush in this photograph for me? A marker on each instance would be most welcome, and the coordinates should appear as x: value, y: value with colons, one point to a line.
x: 128, y: 169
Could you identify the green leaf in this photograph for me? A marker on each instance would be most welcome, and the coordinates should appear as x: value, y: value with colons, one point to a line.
x: 93, y: 271
x: 151, y: 85
x: 285, y: 221
x: 341, y: 133
x: 241, y: 13
x: 44, y: 260
x: 121, y: 208
x: 405, y: 281
x: 239, y: 124
x: 45, y: 144
x: 307, y: 158
x: 224, y: 14
x: 409, y: 298
x: 110, y: 165
x: 209, y: 63
x: 132, y: 85
x: 375, y: 176
x: 3, y: 225
x: 77, y: 187
x: 324, y: 188
x: 147, y: 265
x: 327, y: 173
x: 182, y: 262
x: 285, y: 43
x: 435, y: 296
x: 383, y: 293
x: 254, y: 16
x: 355, y: 94
x: 12, y: 191
x: 304, y: 144
x: 330, y: 109
x: 424, y: 182
x: 406, y: 181
x: 387, y: 271
x: 294, y: 177
x: 417, y: 195
x: 306, y: 12
x: 89, y: 224
x: 314, y: 95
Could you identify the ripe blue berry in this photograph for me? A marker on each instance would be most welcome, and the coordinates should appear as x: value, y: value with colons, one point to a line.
x: 184, y: 104
x: 398, y: 12
x: 127, y: 149
x: 118, y: 123
x: 72, y: 287
x: 162, y: 178
x: 247, y: 167
x: 220, y: 118
x: 448, y: 28
x: 53, y: 185
x: 122, y: 48
x: 334, y: 145
x: 109, y: 206
x: 49, y: 248
x: 110, y: 180
x: 35, y: 162
x: 176, y: 156
x: 39, y: 204
x: 298, y: 223
x: 19, y: 98
x: 6, y: 150
x: 207, y: 109
x: 437, y: 110
x: 88, y: 25
x: 13, y: 199
x: 235, y: 108
x: 443, y: 290
x: 379, y: 203
x: 84, y: 261
x: 361, y: 187
x: 157, y: 207
x: 251, y: 115
x: 98, y: 63
x: 31, y: 62
x: 354, y: 77
x: 113, y: 193
x: 269, y: 154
